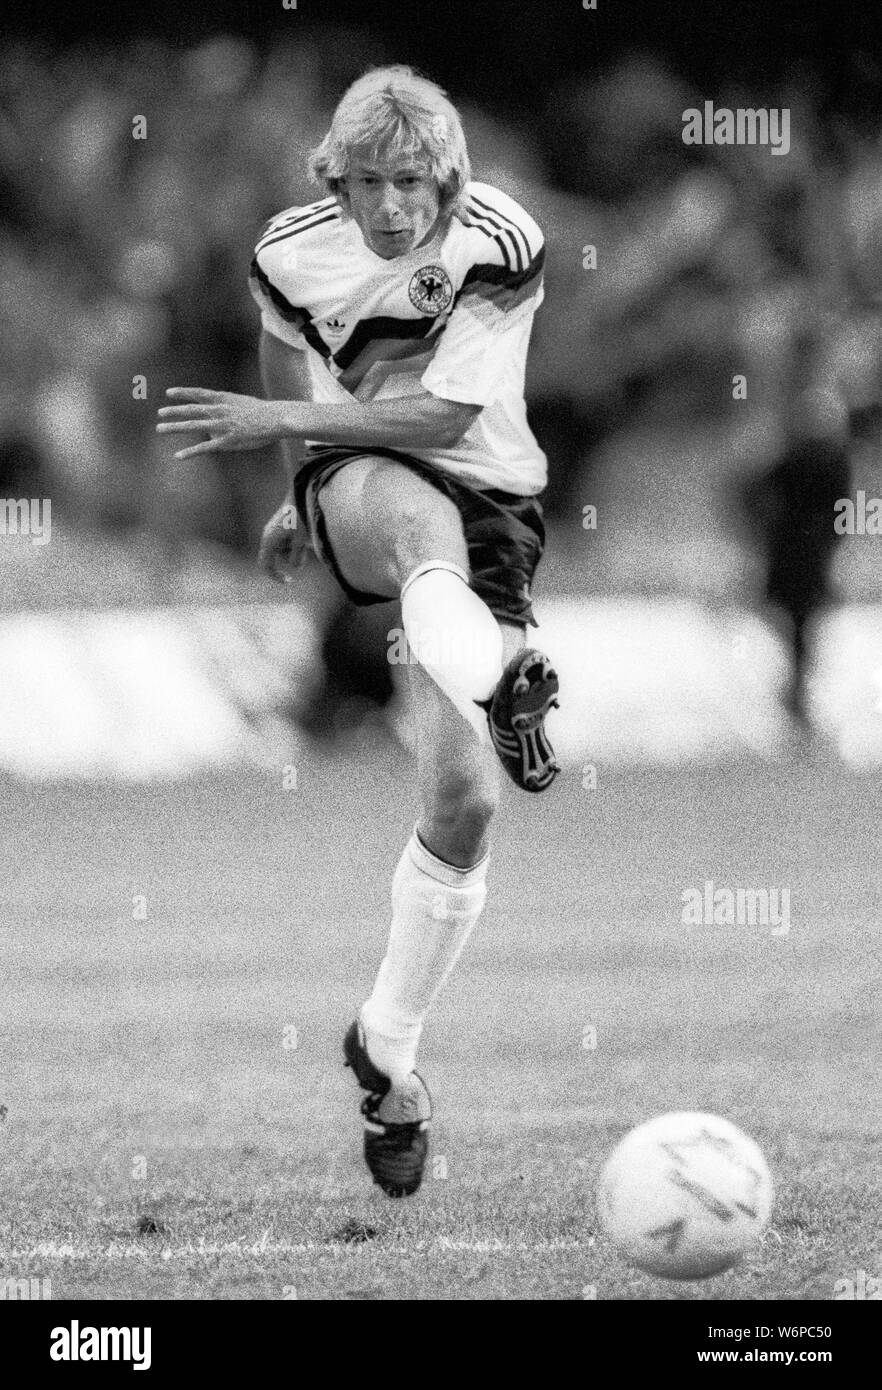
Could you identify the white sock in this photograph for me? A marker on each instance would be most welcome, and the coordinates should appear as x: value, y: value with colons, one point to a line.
x: 453, y: 636
x: 434, y: 908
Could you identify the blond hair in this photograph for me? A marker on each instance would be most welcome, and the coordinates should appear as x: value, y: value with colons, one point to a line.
x: 395, y: 114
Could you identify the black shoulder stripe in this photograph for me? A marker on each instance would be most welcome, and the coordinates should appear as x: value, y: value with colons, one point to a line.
x: 287, y: 219
x: 479, y: 218
x: 479, y: 225
x: 299, y: 224
x: 299, y: 318
x: 299, y: 210
x: 506, y: 220
x: 505, y: 217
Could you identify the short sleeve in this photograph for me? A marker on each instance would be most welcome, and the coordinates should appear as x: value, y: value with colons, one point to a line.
x: 277, y: 315
x: 488, y: 331
x: 285, y: 264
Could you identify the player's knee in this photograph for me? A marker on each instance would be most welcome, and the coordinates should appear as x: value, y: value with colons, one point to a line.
x: 425, y: 549
x: 464, y: 803
x: 430, y: 528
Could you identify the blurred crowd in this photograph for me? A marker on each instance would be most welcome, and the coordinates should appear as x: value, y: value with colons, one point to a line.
x: 124, y: 257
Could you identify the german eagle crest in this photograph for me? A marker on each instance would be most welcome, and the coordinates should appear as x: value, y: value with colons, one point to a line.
x: 430, y: 290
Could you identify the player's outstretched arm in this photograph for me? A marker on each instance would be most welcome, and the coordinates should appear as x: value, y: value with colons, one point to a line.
x: 236, y: 423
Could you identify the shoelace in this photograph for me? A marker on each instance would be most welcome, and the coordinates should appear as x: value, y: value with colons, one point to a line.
x: 371, y: 1104
x: 369, y: 1107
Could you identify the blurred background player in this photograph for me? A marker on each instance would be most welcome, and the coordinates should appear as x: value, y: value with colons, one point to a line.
x: 791, y: 510
x: 396, y: 316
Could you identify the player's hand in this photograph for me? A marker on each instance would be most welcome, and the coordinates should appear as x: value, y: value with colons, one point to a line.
x: 232, y: 422
x: 284, y: 544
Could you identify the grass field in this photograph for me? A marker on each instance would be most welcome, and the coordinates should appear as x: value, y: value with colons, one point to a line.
x: 164, y: 1137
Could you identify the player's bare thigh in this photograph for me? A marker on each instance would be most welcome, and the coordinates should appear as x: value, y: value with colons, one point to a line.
x: 383, y: 520
x: 458, y: 775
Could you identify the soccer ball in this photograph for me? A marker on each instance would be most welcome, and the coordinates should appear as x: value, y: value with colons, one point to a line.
x: 683, y: 1195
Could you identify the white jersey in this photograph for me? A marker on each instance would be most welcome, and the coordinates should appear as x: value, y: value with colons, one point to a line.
x: 452, y: 317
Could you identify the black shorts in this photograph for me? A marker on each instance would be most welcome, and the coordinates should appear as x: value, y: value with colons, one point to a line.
x: 505, y: 533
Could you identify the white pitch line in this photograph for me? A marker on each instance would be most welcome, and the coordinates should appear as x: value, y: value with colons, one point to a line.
x: 143, y: 1252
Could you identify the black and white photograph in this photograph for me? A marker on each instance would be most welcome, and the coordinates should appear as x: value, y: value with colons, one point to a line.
x: 441, y: 665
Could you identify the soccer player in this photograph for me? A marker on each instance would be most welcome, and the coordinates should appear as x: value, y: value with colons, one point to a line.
x: 396, y: 315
